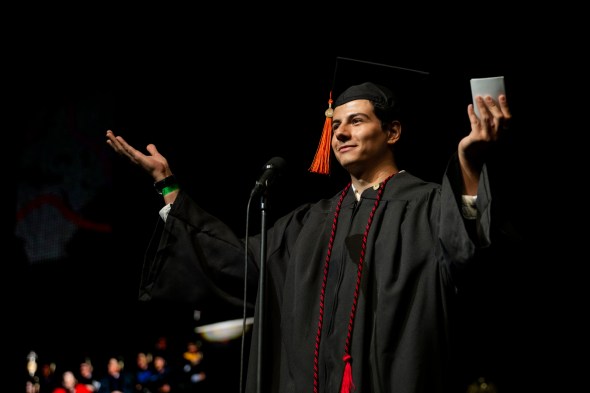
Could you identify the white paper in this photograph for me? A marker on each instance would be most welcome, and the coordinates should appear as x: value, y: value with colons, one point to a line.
x: 493, y: 87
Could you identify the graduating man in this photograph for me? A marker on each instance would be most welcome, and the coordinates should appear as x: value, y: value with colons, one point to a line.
x: 361, y: 286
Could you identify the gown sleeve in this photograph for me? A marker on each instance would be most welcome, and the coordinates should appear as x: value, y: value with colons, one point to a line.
x: 195, y: 258
x: 463, y: 240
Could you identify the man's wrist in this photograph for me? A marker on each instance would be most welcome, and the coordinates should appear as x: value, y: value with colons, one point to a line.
x: 166, y: 185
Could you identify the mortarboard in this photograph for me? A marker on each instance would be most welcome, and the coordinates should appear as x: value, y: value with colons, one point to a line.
x: 394, y: 89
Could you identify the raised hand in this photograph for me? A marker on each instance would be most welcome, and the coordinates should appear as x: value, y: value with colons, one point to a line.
x: 485, y: 130
x: 153, y: 163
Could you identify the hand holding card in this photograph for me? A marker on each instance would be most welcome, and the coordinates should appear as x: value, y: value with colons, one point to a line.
x: 493, y: 87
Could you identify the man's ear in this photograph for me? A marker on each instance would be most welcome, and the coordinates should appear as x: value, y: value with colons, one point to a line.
x: 394, y: 132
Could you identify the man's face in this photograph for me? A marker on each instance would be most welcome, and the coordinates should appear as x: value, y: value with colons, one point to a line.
x: 358, y: 139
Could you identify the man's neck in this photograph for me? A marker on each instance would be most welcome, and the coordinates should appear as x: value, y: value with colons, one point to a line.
x: 366, y: 180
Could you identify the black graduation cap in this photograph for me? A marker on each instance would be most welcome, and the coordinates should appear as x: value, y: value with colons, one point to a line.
x: 396, y: 89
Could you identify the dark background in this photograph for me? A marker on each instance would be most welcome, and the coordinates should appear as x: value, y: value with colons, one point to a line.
x: 218, y: 102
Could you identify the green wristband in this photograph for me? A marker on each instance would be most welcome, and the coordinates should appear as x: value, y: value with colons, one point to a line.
x: 167, y: 182
x: 167, y: 190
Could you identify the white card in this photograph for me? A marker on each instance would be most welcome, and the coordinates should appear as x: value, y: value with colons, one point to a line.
x: 493, y: 87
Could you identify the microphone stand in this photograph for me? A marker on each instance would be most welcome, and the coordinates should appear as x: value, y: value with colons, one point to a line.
x: 271, y: 170
x: 261, y: 289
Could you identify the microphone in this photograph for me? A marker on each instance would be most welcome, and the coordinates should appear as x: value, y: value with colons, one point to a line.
x: 272, y: 169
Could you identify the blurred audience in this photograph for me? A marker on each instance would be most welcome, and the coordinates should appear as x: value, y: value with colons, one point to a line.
x: 70, y: 384
x: 143, y: 372
x: 193, y: 375
x: 117, y: 380
x: 87, y: 376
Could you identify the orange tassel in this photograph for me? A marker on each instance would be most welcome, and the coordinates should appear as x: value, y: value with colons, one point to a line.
x: 347, y: 384
x: 321, y: 161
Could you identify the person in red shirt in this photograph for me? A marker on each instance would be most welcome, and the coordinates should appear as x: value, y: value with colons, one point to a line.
x: 70, y: 384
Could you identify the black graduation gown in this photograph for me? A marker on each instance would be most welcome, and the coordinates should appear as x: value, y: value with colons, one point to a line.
x: 401, y: 340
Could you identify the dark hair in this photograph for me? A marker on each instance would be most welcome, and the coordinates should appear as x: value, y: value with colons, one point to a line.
x: 385, y: 104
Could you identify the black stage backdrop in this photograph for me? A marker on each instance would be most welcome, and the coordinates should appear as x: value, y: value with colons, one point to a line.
x: 218, y: 110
